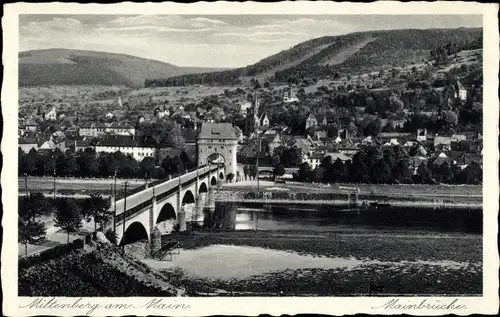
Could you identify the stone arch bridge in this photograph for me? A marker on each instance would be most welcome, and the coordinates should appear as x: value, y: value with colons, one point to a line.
x: 141, y: 212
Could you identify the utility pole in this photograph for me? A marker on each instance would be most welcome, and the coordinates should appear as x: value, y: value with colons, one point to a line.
x: 124, y: 213
x: 54, y: 167
x: 114, y: 212
x: 258, y: 155
x: 26, y: 183
x: 54, y: 183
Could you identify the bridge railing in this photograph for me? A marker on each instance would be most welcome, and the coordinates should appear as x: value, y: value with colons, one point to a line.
x: 132, y: 211
x: 138, y: 189
x: 137, y: 208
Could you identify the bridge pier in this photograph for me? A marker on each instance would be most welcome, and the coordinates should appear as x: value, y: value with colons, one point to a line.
x: 198, y: 209
x: 182, y: 219
x: 152, y: 226
x: 155, y: 243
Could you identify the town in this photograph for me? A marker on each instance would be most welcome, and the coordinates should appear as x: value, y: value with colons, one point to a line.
x: 416, y: 146
x: 344, y: 165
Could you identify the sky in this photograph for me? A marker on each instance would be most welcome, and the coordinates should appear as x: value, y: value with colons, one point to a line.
x: 208, y: 40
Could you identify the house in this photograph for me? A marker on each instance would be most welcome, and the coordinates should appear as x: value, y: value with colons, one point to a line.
x: 120, y: 129
x: 311, y: 121
x: 51, y: 145
x: 126, y: 145
x: 161, y: 112
x: 305, y: 145
x: 390, y: 136
x: 272, y: 141
x: 421, y: 134
x: 32, y: 127
x: 415, y: 161
x: 239, y: 134
x: 348, y: 149
x: 264, y: 121
x: 109, y: 116
x: 27, y: 144
x: 243, y: 108
x: 320, y: 134
x: 460, y: 91
x: 289, y: 96
x: 51, y: 115
x: 314, y: 160
x: 443, y: 158
x: 92, y: 129
x: 337, y: 155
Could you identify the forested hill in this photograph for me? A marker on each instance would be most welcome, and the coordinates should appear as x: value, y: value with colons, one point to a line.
x: 345, y: 54
x: 79, y: 67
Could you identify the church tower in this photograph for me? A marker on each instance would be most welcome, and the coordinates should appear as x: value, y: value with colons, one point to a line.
x: 256, y: 118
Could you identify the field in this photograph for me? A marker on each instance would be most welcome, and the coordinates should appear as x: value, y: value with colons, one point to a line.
x: 392, y: 263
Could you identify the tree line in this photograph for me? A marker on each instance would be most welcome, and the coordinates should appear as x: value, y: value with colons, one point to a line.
x: 87, y: 163
x: 390, y: 166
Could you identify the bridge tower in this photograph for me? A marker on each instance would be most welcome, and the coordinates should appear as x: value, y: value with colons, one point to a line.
x: 221, y: 139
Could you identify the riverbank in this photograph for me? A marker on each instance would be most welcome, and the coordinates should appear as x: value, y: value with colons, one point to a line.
x: 386, y: 189
x: 330, y: 263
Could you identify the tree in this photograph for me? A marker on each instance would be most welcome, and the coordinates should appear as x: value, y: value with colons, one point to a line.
x: 278, y: 168
x: 87, y: 163
x: 423, y: 173
x: 186, y: 160
x: 291, y: 157
x: 147, y: 167
x: 246, y: 171
x: 68, y: 215
x: 472, y: 174
x: 381, y: 172
x: 97, y: 208
x: 33, y: 206
x: 338, y: 171
x: 352, y: 129
x: 253, y: 171
x: 304, y: 172
x: 445, y: 173
x: 111, y: 236
x: 27, y: 162
x: 32, y: 232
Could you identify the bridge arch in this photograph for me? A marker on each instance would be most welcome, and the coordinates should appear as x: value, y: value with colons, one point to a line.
x: 135, y: 232
x: 203, y: 188
x: 213, y: 181
x: 167, y: 212
x: 188, y: 198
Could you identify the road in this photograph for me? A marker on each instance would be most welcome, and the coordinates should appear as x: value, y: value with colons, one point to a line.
x: 47, y: 183
x: 364, y: 189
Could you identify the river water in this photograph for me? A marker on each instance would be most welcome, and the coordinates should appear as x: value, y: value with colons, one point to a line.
x: 324, y: 218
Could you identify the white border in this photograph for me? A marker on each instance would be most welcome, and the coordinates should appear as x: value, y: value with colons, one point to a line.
x: 487, y: 304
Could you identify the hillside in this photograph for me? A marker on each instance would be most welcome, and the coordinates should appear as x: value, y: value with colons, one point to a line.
x: 78, y: 67
x: 330, y: 56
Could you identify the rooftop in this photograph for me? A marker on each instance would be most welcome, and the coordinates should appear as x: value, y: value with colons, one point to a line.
x: 211, y: 130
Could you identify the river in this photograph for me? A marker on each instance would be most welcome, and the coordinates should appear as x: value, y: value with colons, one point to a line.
x: 241, y: 216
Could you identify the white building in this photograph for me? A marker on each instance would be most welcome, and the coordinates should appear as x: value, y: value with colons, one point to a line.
x: 126, y: 145
x: 243, y: 108
x: 314, y: 160
x: 51, y: 115
x: 92, y: 130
